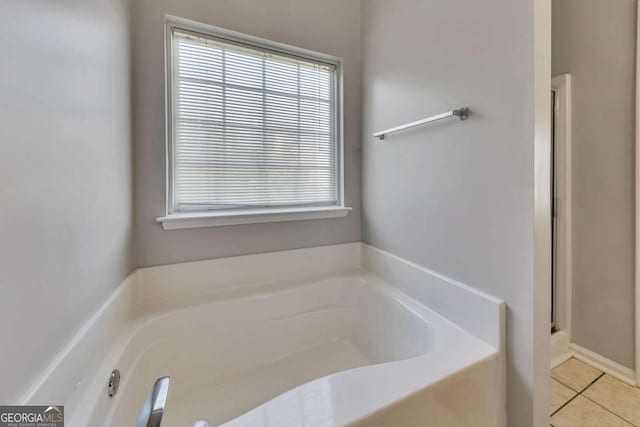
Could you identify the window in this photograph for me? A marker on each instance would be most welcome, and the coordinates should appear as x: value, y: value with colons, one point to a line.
x: 253, y: 129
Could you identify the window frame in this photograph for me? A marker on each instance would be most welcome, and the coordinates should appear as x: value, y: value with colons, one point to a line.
x: 249, y: 215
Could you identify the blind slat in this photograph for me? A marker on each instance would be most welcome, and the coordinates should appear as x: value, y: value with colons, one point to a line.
x: 251, y: 127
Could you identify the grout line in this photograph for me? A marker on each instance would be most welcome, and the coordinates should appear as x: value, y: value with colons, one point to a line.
x: 571, y: 388
x: 609, y: 411
x: 565, y: 403
x: 602, y: 406
x: 592, y: 383
x: 577, y: 393
x: 580, y: 393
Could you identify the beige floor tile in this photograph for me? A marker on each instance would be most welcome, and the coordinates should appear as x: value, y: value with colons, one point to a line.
x: 560, y: 394
x: 581, y: 412
x: 617, y: 396
x: 575, y: 374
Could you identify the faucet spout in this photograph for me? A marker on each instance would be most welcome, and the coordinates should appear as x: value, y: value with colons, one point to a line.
x: 153, y: 408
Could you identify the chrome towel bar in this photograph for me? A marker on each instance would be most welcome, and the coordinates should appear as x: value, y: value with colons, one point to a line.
x: 462, y: 113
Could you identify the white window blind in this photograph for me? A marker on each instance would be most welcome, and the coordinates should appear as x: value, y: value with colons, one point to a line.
x: 252, y: 128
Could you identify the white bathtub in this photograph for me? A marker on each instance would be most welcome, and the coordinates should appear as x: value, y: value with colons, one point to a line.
x: 333, y: 349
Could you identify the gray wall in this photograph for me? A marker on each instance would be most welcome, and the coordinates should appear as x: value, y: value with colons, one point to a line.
x: 328, y: 26
x: 65, y: 168
x: 594, y: 41
x: 456, y: 197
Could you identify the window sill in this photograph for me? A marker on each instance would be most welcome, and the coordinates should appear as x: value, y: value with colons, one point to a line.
x: 255, y: 216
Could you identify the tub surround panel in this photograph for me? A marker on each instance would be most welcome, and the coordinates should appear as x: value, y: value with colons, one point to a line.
x: 468, y: 307
x: 473, y: 310
x: 72, y: 374
x: 170, y: 285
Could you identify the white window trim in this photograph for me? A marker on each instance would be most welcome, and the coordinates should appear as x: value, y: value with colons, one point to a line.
x: 255, y: 216
x: 178, y: 220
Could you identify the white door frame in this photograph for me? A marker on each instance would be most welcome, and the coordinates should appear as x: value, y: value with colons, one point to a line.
x: 561, y: 85
x: 637, y: 204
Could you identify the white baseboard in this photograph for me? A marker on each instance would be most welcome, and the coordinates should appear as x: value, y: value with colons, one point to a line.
x: 562, y: 350
x: 605, y: 365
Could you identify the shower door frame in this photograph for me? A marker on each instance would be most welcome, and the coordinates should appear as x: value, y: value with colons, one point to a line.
x: 562, y: 212
x: 637, y: 202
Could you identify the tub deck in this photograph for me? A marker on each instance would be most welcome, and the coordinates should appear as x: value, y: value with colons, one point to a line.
x: 327, y: 351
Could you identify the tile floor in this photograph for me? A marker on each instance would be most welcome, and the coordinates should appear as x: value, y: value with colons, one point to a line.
x: 583, y: 396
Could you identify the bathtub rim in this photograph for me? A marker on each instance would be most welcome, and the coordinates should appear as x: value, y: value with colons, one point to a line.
x: 449, y: 339
x: 81, y: 367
